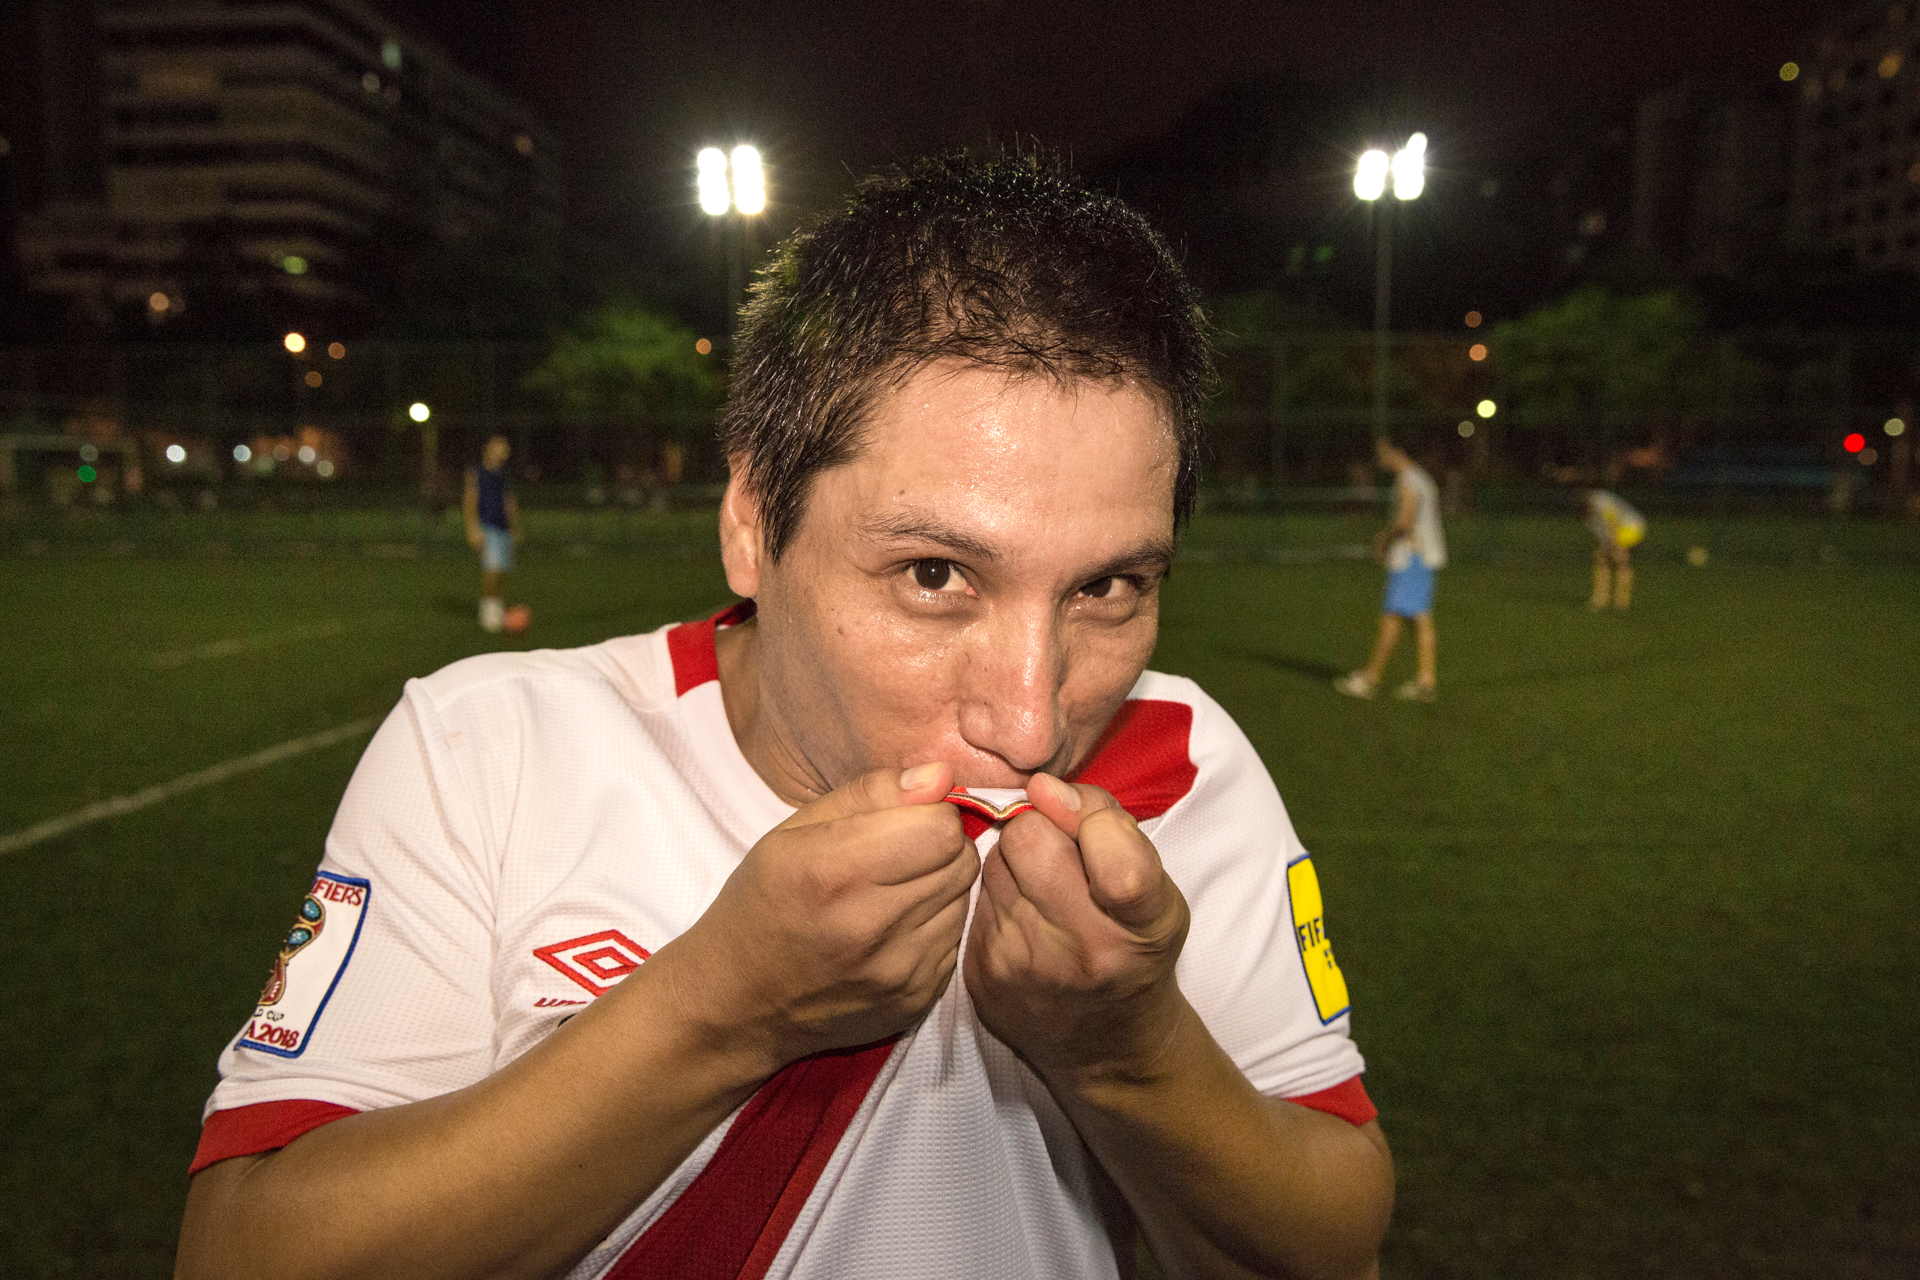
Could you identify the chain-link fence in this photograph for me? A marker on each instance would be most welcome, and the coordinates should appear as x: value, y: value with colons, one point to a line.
x: 252, y: 449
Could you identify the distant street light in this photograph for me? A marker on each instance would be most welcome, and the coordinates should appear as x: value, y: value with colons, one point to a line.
x: 736, y: 185
x: 419, y: 412
x: 1407, y: 169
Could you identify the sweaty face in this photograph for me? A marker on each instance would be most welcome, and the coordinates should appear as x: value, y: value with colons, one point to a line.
x: 980, y: 586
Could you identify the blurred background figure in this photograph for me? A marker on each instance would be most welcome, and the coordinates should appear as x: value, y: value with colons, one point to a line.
x: 493, y: 527
x: 1413, y: 546
x: 1616, y: 528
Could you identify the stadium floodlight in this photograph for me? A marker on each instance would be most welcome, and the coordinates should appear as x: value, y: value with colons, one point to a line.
x: 737, y: 185
x: 749, y: 184
x: 418, y: 411
x: 712, y: 181
x: 1410, y: 168
x: 1370, y: 175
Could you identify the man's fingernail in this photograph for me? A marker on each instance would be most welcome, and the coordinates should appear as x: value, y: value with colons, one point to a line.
x: 919, y: 776
x: 1065, y: 794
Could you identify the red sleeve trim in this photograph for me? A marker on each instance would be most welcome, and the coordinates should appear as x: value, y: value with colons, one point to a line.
x: 1348, y: 1100
x: 264, y: 1126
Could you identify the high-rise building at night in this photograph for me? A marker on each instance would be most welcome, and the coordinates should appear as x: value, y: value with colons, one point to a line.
x: 272, y: 157
x: 1711, y: 173
x: 1857, y: 162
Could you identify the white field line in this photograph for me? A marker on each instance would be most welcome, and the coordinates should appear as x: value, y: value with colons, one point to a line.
x: 1465, y: 835
x: 241, y: 644
x: 118, y: 805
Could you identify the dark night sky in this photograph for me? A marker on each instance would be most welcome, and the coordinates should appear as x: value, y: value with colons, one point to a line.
x: 831, y: 90
x: 826, y: 87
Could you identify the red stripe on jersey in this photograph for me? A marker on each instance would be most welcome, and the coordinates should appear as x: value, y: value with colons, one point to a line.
x: 730, y: 1223
x: 1348, y: 1100
x: 1143, y: 759
x: 264, y: 1126
x: 690, y: 645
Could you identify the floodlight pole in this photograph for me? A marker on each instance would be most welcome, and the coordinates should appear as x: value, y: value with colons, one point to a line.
x: 1382, y: 307
x: 1406, y: 169
x: 732, y: 190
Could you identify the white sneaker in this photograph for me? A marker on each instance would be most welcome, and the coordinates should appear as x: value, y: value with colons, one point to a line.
x: 1356, y: 685
x: 1414, y: 691
x: 493, y: 614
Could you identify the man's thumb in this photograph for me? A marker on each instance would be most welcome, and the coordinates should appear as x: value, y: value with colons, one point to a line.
x: 875, y: 790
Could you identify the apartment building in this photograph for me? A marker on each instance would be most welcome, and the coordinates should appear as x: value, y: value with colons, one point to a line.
x: 269, y: 155
x: 1857, y: 161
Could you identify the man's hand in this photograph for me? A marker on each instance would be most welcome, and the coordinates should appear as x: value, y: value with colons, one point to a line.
x: 1075, y: 937
x: 841, y: 927
x: 474, y: 537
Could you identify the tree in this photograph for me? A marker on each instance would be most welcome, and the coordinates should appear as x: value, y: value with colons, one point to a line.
x: 1600, y: 364
x: 639, y: 372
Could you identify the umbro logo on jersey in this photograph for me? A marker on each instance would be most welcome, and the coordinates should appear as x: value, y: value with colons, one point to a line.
x: 597, y: 961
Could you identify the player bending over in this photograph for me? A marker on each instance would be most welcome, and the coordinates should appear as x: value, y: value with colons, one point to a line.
x: 894, y: 922
x: 1412, y: 547
x: 1616, y: 528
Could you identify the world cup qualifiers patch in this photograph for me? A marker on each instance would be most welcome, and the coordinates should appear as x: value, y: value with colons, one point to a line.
x: 311, y: 959
x: 1316, y: 949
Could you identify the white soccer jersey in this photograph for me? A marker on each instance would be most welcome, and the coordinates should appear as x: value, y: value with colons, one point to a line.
x: 525, y: 829
x: 1426, y: 540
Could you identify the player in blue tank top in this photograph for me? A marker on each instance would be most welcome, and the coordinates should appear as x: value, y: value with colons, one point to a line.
x: 493, y: 526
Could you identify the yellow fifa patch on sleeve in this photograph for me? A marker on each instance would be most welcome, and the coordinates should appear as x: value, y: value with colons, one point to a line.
x: 1316, y: 949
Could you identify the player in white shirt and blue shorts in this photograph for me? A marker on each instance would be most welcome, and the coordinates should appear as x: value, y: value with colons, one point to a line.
x: 893, y: 922
x: 1412, y: 547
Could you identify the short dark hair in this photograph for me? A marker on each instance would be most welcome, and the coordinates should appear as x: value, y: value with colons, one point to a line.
x: 1005, y: 261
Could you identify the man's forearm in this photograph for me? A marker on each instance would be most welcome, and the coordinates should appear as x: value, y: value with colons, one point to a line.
x: 1227, y: 1182
x: 518, y: 1175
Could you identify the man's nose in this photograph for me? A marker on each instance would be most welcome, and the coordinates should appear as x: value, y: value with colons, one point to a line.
x: 1012, y: 705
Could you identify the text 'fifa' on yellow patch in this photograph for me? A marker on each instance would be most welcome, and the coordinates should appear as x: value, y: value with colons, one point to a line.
x: 1316, y: 949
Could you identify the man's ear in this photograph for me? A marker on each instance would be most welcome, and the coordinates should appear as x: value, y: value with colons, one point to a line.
x: 741, y: 548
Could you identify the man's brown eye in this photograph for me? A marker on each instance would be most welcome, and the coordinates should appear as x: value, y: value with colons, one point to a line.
x: 1098, y: 589
x: 932, y: 575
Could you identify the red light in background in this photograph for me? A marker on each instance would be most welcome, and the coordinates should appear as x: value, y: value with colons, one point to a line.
x: 1854, y: 443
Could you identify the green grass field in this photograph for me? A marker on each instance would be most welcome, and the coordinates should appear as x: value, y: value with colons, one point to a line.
x: 1631, y: 916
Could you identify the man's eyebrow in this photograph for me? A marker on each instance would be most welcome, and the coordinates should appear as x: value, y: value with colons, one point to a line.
x: 1154, y: 557
x: 906, y: 526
